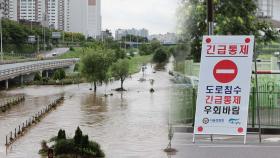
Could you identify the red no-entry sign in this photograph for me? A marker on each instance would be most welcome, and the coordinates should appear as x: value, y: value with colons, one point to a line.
x: 222, y: 102
x: 225, y: 71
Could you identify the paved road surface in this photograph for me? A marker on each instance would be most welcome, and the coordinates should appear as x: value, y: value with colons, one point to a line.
x: 58, y: 51
x: 226, y: 147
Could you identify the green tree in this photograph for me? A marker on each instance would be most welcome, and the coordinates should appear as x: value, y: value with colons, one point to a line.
x: 119, y: 53
x: 144, y: 49
x: 120, y: 70
x: 61, y: 135
x: 95, y: 64
x: 78, y: 136
x: 59, y: 74
x: 161, y: 55
x: 73, y: 37
x: 235, y: 17
x: 155, y: 44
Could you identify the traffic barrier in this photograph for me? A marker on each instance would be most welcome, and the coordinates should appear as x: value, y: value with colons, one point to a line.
x: 32, y: 121
x: 9, y: 102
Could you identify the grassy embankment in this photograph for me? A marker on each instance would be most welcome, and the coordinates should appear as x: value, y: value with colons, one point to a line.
x: 134, y: 62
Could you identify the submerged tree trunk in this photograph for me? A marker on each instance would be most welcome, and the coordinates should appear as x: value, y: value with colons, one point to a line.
x: 95, y: 87
x: 122, y: 80
x: 121, y: 84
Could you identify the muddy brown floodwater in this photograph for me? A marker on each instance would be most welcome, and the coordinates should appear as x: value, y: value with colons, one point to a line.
x: 129, y: 124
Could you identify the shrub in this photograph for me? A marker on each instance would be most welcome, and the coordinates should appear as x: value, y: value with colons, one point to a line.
x: 76, y: 68
x: 45, y: 79
x: 37, y: 77
x: 131, y: 53
x: 72, y: 49
x: 84, y: 141
x: 80, y: 146
x: 44, y: 148
x: 66, y: 146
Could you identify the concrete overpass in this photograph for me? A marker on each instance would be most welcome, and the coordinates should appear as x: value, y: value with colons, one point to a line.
x: 10, y: 71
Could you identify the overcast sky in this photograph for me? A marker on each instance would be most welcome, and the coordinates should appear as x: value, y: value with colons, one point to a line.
x: 158, y: 16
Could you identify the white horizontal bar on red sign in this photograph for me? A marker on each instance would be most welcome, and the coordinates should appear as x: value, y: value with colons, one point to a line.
x: 225, y: 71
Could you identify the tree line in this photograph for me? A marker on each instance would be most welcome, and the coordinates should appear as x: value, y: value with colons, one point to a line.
x: 16, y: 34
x: 231, y: 17
x: 102, y: 61
x: 99, y: 65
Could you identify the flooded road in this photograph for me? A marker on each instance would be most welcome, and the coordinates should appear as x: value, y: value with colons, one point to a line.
x: 129, y: 124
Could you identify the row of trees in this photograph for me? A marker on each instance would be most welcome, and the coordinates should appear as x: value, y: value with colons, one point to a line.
x: 73, y: 37
x: 161, y: 53
x: 134, y: 38
x: 235, y: 17
x: 15, y: 36
x: 98, y: 66
x: 149, y: 48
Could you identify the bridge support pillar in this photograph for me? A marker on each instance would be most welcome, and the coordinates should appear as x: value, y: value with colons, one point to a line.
x: 41, y: 73
x: 7, y: 84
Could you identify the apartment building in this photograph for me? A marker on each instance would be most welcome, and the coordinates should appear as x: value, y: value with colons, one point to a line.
x: 85, y: 17
x: 4, y: 8
x: 269, y: 9
x: 82, y: 16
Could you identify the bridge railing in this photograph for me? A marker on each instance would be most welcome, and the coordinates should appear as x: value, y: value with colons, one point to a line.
x: 37, y: 66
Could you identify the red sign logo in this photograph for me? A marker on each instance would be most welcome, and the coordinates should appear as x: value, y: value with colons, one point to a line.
x: 225, y: 71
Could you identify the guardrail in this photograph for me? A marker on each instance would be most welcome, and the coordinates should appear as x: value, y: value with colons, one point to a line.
x: 36, y: 66
x: 17, y: 61
x: 8, y: 102
x: 183, y: 111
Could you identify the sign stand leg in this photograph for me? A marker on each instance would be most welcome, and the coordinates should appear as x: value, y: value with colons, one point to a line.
x: 245, y: 137
x: 193, y: 140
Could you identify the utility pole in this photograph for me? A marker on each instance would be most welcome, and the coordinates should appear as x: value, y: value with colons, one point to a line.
x: 210, y: 15
x: 63, y: 36
x: 72, y: 37
x: 125, y: 41
x: 210, y: 26
x: 44, y: 38
x: 130, y: 41
x: 38, y: 45
x: 1, y: 32
x: 137, y: 40
x: 44, y: 25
